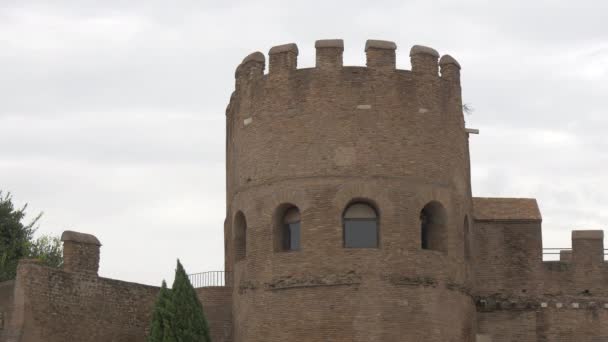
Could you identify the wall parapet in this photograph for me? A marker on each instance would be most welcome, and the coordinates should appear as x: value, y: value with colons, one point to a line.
x: 380, y: 56
x: 80, y: 252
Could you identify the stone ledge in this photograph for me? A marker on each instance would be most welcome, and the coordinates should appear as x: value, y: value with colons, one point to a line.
x: 254, y: 57
x: 292, y: 47
x: 330, y: 43
x: 588, y: 234
x: 73, y: 236
x: 447, y: 59
x: 344, y: 279
x: 380, y: 44
x: 425, y: 50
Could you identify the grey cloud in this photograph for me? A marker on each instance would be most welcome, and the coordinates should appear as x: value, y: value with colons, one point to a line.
x: 111, y: 119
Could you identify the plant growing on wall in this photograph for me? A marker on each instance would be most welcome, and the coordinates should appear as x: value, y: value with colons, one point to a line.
x: 17, y: 240
x: 178, y: 313
x: 48, y: 249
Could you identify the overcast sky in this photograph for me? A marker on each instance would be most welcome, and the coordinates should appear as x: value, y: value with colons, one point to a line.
x: 112, y: 112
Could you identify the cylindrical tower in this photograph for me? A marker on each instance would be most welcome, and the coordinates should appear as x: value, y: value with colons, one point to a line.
x: 348, y: 194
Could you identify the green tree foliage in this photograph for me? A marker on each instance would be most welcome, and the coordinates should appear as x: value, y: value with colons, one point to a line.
x: 17, y: 240
x: 189, y: 323
x: 48, y: 249
x: 15, y: 237
x: 161, y: 330
x: 178, y: 314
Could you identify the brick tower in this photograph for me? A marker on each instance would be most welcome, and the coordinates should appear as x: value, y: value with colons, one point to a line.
x: 348, y: 198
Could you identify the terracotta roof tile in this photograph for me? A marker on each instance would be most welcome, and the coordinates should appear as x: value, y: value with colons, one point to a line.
x: 506, y: 209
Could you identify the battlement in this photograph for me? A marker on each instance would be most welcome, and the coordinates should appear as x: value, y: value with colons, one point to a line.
x: 380, y: 57
x: 80, y: 252
x: 588, y: 247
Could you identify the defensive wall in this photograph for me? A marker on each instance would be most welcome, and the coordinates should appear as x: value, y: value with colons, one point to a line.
x: 46, y: 304
x: 6, y: 302
x: 319, y: 140
x: 522, y: 298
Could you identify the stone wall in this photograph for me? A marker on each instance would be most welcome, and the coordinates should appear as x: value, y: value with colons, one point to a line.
x: 47, y: 304
x: 53, y: 305
x: 6, y: 302
x: 520, y: 297
x: 319, y: 139
x: 217, y: 304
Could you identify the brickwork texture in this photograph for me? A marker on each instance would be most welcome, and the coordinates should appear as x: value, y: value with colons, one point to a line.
x: 445, y: 266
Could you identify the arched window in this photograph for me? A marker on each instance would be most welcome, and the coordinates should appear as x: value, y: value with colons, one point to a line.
x: 287, y: 229
x: 240, y: 236
x: 360, y: 222
x: 433, y: 223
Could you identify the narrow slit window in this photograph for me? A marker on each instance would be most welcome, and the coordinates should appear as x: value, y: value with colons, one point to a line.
x: 240, y: 236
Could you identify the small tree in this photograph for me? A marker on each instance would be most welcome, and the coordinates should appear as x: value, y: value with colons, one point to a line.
x: 161, y: 330
x: 15, y: 236
x: 48, y: 249
x: 188, y: 319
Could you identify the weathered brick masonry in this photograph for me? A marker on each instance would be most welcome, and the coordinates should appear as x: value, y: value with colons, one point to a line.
x: 321, y: 138
x: 303, y: 147
x: 74, y: 304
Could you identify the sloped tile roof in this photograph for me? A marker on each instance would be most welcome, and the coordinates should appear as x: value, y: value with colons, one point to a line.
x: 506, y: 209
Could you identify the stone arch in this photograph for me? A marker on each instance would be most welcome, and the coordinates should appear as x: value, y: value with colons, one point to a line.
x: 433, y: 227
x: 287, y: 228
x: 360, y: 222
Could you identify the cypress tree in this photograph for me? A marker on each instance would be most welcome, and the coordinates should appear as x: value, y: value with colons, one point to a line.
x: 161, y: 330
x: 188, y: 320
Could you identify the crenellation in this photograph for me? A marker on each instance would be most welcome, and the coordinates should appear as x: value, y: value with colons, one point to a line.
x: 449, y: 68
x: 251, y: 69
x: 424, y: 60
x: 329, y: 54
x: 587, y: 248
x: 329, y: 58
x: 283, y: 59
x: 80, y: 252
x: 380, y: 55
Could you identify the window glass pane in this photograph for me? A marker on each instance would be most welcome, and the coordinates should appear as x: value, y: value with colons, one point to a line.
x: 360, y: 233
x: 360, y: 211
x: 294, y: 234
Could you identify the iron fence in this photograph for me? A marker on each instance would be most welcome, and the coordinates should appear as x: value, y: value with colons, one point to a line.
x: 210, y: 279
x: 554, y: 253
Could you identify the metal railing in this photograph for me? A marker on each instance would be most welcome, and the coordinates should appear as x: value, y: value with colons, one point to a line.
x: 210, y: 279
x: 554, y: 253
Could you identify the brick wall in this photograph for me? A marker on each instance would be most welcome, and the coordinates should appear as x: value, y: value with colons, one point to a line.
x: 53, y: 305
x: 319, y: 139
x: 6, y: 302
x: 521, y: 298
x: 217, y: 304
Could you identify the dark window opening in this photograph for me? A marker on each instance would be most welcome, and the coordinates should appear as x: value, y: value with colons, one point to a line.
x: 433, y: 231
x: 291, y: 230
x: 240, y: 236
x: 467, y: 242
x: 360, y: 226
